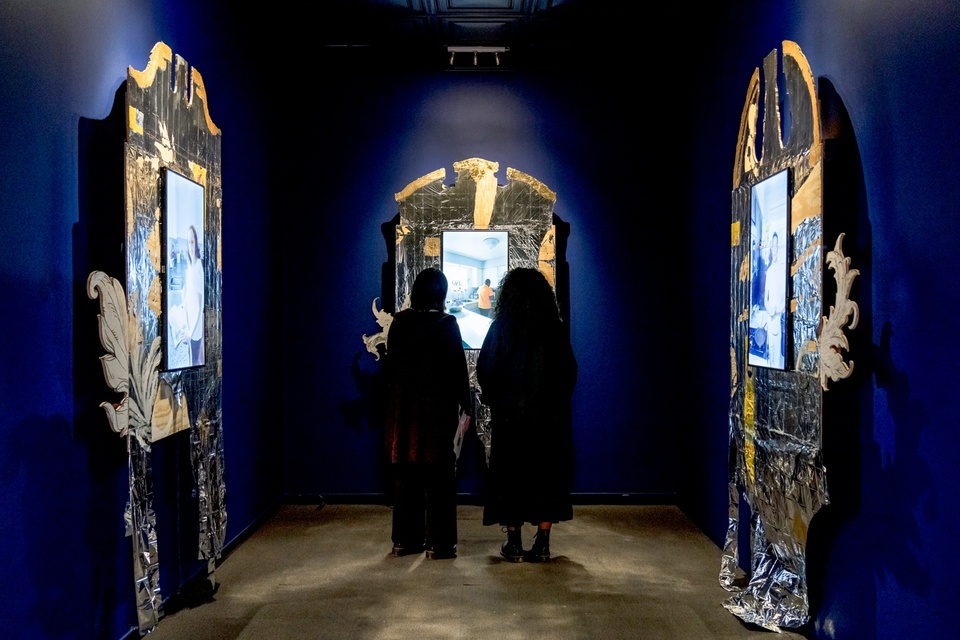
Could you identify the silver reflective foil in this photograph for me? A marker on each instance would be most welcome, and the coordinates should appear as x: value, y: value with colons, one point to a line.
x: 523, y: 207
x: 775, y: 424
x: 206, y: 451
x: 141, y: 527
x: 169, y: 126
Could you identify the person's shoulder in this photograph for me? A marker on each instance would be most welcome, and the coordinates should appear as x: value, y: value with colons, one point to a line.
x: 403, y: 317
x: 448, y: 320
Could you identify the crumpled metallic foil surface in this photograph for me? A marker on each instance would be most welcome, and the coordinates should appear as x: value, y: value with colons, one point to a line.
x: 206, y: 453
x: 775, y: 421
x: 523, y: 207
x: 165, y: 129
x: 141, y: 526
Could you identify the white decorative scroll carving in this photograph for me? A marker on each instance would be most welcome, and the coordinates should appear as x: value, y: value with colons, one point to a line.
x: 135, y: 375
x: 383, y: 319
x: 112, y: 321
x: 845, y: 313
x: 125, y: 417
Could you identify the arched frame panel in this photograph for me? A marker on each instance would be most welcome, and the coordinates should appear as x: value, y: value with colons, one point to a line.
x: 523, y: 207
x: 775, y: 412
x: 168, y: 128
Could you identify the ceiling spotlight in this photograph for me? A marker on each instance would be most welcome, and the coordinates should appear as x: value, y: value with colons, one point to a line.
x: 491, y: 242
x: 476, y: 51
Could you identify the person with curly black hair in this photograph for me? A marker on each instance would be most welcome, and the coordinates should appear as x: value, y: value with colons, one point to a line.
x: 526, y: 371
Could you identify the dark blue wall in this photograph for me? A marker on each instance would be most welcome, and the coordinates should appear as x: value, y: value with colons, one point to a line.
x: 572, y: 131
x: 636, y: 137
x: 65, y: 564
x: 883, y: 556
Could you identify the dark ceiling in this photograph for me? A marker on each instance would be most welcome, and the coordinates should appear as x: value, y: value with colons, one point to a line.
x: 530, y: 31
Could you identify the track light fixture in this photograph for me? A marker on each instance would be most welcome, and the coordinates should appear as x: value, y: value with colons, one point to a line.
x: 476, y: 51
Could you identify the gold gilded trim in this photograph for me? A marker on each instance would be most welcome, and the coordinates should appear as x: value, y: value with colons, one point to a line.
x: 484, y: 174
x: 152, y: 245
x: 478, y: 168
x: 419, y: 183
x: 160, y: 56
x: 734, y: 379
x: 135, y: 120
x: 548, y: 255
x: 198, y: 172
x: 807, y: 201
x: 545, y: 192
x: 792, y: 50
x: 220, y: 235
x: 749, y: 427
x: 744, y: 274
x: 197, y: 88
x: 812, y: 249
x: 153, y: 296
x: 548, y: 246
x: 746, y: 160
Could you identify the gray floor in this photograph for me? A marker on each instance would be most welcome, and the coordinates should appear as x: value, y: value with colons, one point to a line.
x: 637, y: 572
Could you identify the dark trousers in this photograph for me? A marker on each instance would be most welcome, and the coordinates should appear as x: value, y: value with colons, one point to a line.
x: 425, y: 505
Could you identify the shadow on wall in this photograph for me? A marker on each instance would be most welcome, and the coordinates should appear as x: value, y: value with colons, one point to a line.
x: 367, y: 410
x: 98, y: 245
x: 871, y: 532
x: 842, y: 590
x: 68, y: 528
x: 872, y: 489
x: 906, y: 485
x: 366, y: 413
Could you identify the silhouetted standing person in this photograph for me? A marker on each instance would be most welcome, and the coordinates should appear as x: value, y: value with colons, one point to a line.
x: 526, y: 371
x: 428, y: 386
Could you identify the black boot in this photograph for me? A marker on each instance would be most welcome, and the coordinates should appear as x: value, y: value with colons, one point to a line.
x: 512, y: 549
x: 540, y: 551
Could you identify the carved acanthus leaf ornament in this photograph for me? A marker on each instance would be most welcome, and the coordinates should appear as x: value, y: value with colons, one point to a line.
x: 134, y: 411
x: 844, y: 313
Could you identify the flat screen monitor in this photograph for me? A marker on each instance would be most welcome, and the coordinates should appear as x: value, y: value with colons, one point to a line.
x: 182, y: 224
x: 769, y: 271
x: 474, y: 262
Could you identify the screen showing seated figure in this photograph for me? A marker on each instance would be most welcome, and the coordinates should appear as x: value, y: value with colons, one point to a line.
x: 183, y: 217
x: 474, y: 262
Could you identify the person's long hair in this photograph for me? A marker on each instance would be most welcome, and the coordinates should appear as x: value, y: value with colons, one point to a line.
x: 526, y: 309
x: 196, y: 245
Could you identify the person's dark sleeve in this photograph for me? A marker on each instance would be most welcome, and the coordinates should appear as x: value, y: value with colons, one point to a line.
x: 459, y: 375
x: 486, y: 374
x: 567, y: 378
x: 394, y: 348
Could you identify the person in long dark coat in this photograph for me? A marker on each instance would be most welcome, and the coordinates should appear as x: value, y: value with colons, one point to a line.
x: 428, y: 387
x: 526, y: 372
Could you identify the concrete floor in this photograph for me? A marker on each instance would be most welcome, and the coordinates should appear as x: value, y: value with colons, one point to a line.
x: 632, y: 572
